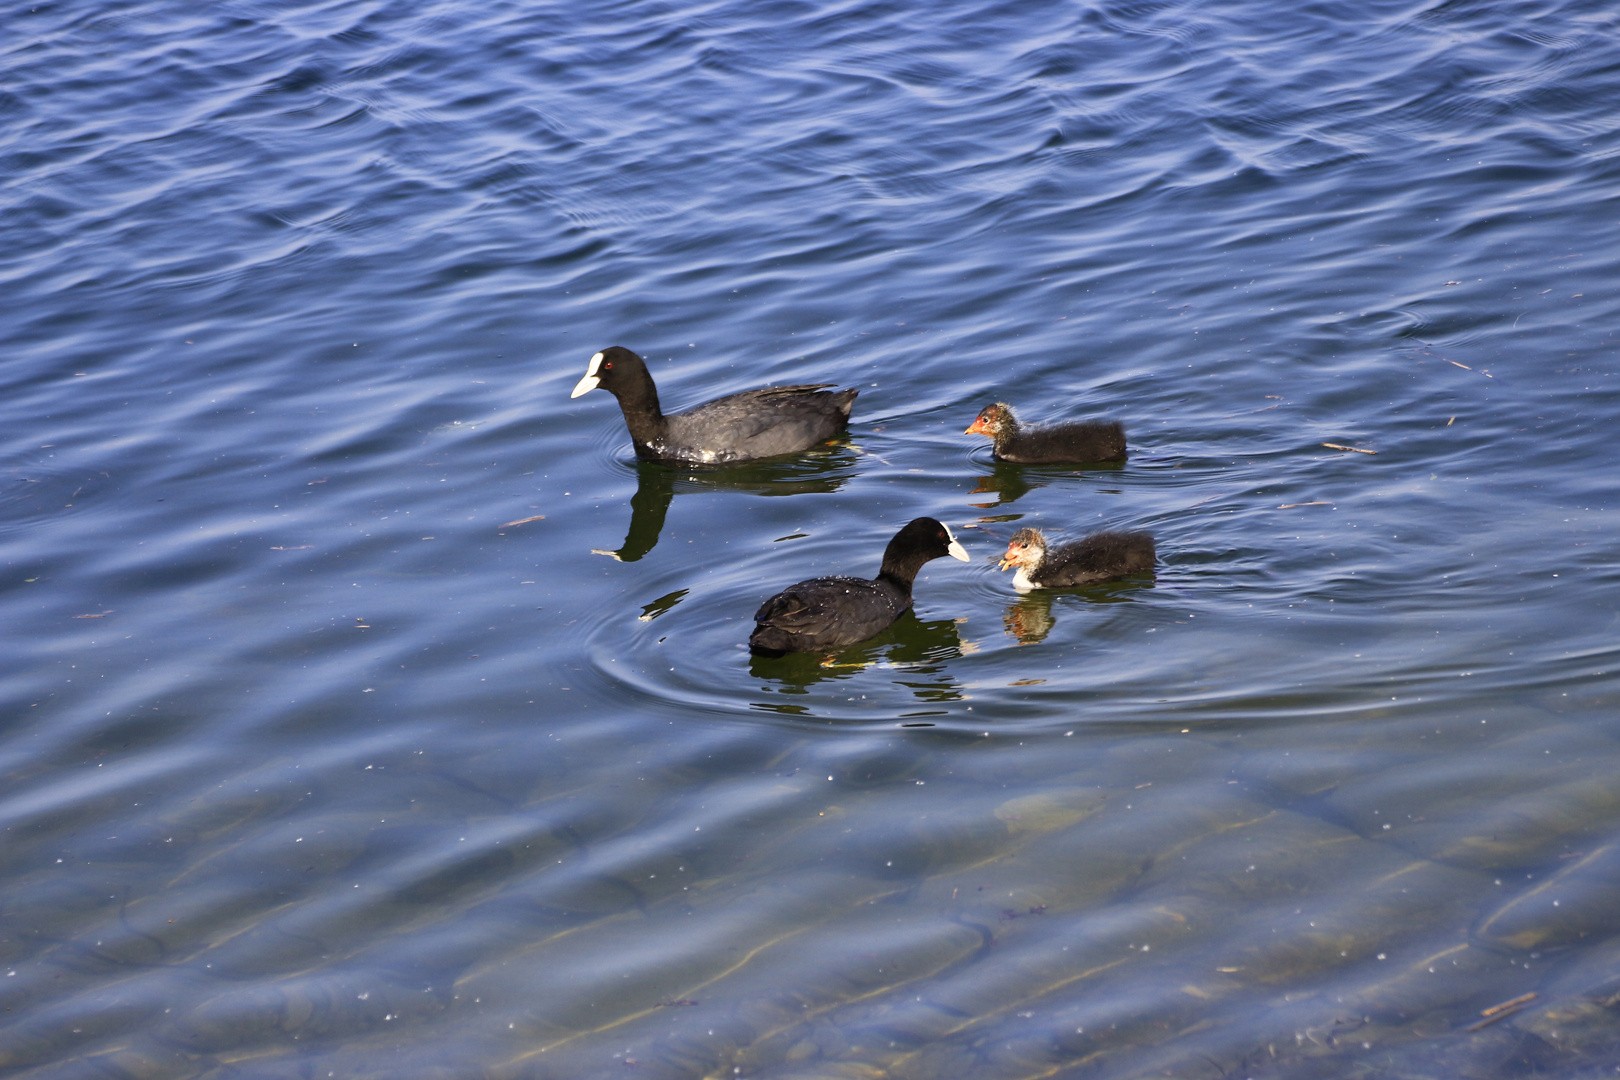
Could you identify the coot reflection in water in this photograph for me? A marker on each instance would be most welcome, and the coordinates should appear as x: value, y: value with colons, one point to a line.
x: 816, y: 472
x: 917, y: 650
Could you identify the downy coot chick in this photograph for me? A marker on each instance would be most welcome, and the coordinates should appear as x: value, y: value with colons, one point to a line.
x: 1082, y: 440
x: 738, y: 427
x: 830, y: 612
x: 1098, y: 557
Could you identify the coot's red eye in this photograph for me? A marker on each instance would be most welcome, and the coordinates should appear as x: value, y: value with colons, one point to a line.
x: 608, y: 364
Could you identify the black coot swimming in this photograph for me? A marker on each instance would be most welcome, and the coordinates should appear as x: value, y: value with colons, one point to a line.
x: 1098, y: 557
x: 830, y: 612
x: 1082, y: 440
x: 738, y: 427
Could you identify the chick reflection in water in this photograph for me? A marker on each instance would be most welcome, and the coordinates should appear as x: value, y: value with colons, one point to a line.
x: 1009, y: 482
x: 1099, y: 558
x: 815, y: 473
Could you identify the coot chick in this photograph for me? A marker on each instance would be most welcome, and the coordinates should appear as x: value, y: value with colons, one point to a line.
x: 738, y: 427
x: 1098, y: 557
x: 1082, y: 440
x: 830, y: 612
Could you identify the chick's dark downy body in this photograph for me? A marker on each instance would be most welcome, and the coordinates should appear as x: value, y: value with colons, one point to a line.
x: 761, y: 423
x: 1098, y: 557
x: 830, y: 612
x: 1079, y: 440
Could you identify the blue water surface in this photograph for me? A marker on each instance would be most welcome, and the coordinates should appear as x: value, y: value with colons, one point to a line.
x: 368, y: 710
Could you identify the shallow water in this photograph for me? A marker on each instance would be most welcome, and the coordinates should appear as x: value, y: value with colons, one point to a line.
x: 371, y: 712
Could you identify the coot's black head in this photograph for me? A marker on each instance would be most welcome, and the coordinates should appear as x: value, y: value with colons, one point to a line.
x: 1026, y: 548
x: 922, y: 539
x: 614, y: 369
x: 992, y: 419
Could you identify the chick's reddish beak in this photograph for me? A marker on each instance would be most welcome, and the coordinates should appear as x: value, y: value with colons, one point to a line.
x: 977, y: 428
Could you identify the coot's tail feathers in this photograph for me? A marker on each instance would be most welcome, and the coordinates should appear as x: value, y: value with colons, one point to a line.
x: 784, y: 609
x: 767, y: 641
x: 797, y: 388
x: 779, y: 623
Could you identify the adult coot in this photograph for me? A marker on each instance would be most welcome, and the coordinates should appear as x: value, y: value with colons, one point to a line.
x: 1098, y: 557
x: 829, y: 612
x: 1083, y: 440
x: 738, y: 427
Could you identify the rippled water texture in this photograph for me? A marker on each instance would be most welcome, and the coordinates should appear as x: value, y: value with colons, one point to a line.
x: 369, y: 711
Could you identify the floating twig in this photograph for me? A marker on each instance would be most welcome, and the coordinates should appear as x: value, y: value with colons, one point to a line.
x: 1318, y: 502
x: 1513, y: 1003
x: 524, y: 521
x: 1355, y: 449
x: 1465, y: 367
x: 1501, y: 1012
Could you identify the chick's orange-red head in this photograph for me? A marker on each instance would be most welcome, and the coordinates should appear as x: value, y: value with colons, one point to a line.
x: 1024, y: 549
x: 988, y: 422
x: 1014, y: 556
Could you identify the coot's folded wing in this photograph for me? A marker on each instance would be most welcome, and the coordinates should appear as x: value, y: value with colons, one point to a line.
x: 737, y: 418
x: 790, y: 609
x: 831, y: 606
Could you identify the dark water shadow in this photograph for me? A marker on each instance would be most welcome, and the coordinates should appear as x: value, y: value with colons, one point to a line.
x: 657, y: 483
x: 1009, y: 482
x: 1030, y: 618
x: 917, y: 652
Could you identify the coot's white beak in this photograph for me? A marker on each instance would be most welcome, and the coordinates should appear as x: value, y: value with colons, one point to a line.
x: 956, y: 550
x: 590, y: 381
